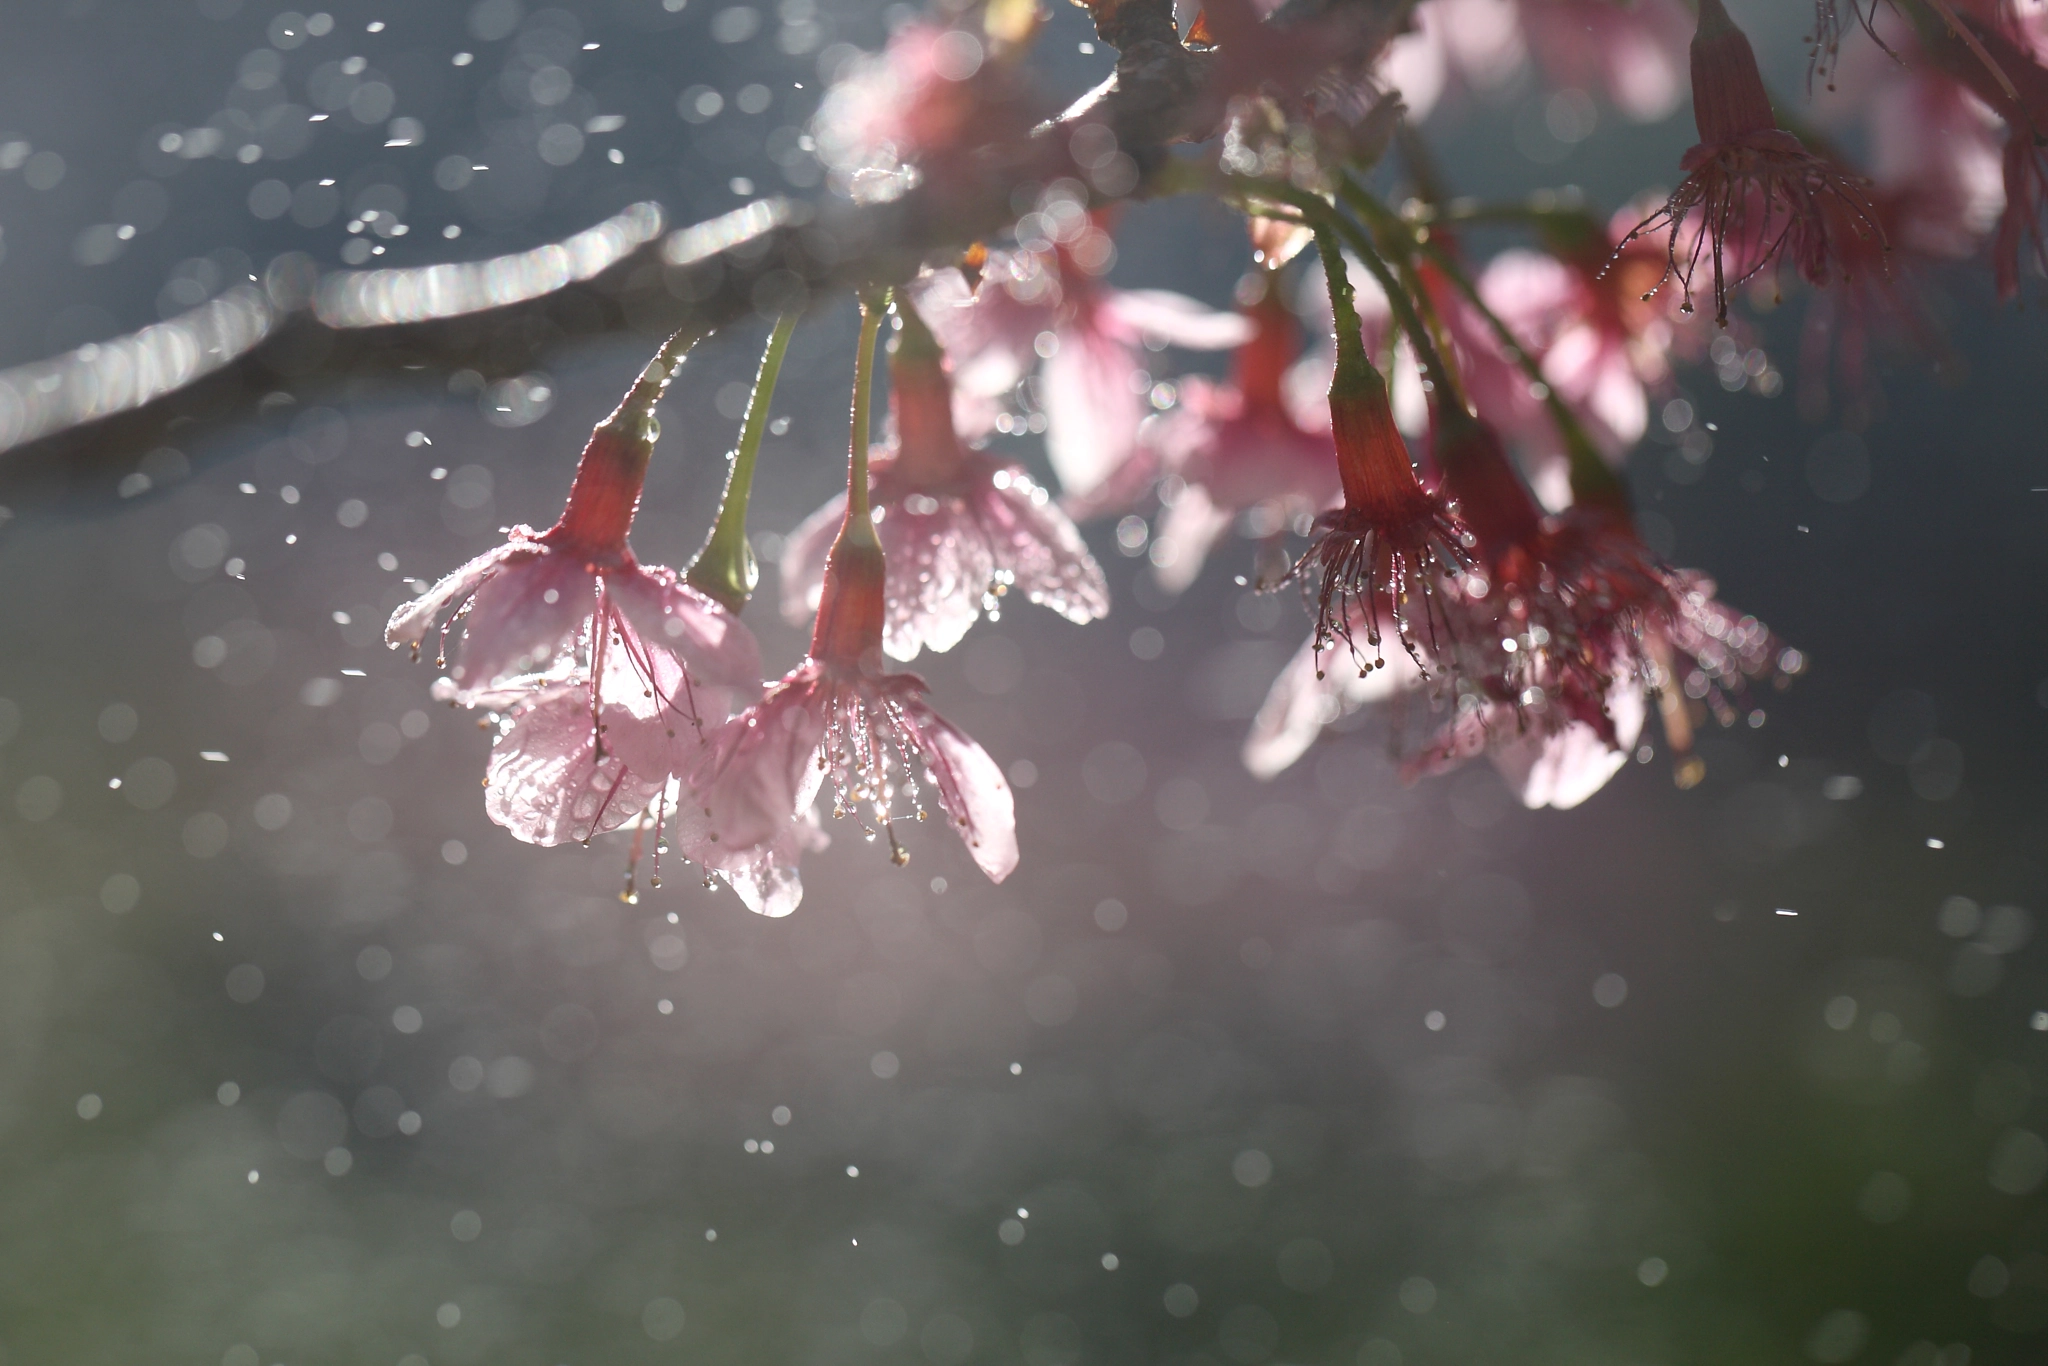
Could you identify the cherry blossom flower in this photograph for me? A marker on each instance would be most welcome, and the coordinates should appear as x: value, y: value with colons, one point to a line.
x: 1634, y: 53
x: 1049, y: 304
x: 841, y: 719
x: 2007, y: 77
x: 521, y: 603
x: 1564, y: 611
x: 1760, y: 192
x: 1556, y: 635
x: 600, y: 663
x: 1585, y: 346
x: 959, y: 529
x: 935, y: 106
x: 1236, y: 448
x: 1376, y: 561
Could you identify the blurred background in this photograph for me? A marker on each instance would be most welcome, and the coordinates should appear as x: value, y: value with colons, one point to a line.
x: 302, y: 1061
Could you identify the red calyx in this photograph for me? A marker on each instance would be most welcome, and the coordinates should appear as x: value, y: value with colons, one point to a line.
x: 605, y: 493
x: 1729, y: 101
x: 1261, y: 364
x: 928, y: 452
x: 1491, y: 498
x: 850, y: 608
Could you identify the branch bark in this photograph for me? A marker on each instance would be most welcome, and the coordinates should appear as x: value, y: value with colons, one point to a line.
x: 1154, y: 99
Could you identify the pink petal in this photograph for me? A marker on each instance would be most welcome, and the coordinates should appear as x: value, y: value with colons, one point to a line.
x: 714, y: 646
x: 759, y: 773
x: 410, y: 624
x: 1040, y: 547
x: 1188, y: 530
x: 545, y: 782
x: 1300, y: 704
x: 1564, y: 768
x: 511, y: 628
x: 1174, y: 318
x: 972, y: 790
x: 1093, y: 411
x: 939, y: 566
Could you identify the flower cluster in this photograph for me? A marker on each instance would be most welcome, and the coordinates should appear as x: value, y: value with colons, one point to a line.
x: 1425, y: 446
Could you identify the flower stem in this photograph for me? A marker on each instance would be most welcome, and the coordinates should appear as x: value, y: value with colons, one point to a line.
x: 1451, y: 403
x: 724, y: 569
x: 851, y: 605
x: 872, y: 307
x: 1323, y: 216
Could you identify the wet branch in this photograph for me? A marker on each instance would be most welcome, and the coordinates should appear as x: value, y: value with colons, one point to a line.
x: 762, y: 261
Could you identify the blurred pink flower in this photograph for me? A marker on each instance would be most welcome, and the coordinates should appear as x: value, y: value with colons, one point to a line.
x: 1236, y: 448
x: 933, y: 107
x: 1552, y: 638
x: 1049, y: 304
x: 1558, y: 766
x: 1633, y: 51
x: 959, y: 529
x: 1584, y: 346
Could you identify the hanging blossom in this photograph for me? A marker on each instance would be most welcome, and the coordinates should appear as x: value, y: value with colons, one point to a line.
x: 1938, y: 189
x: 1048, y: 304
x: 1377, y: 561
x: 841, y: 719
x: 960, y: 529
x: 1760, y: 192
x: 1557, y: 636
x: 1235, y: 451
x: 2003, y: 69
x: 600, y: 665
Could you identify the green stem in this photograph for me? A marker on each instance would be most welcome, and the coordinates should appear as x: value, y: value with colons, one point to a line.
x: 1451, y: 404
x: 725, y: 570
x: 1343, y: 306
x: 872, y: 307
x: 1322, y: 215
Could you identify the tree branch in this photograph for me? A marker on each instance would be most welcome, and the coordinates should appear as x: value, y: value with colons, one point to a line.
x: 762, y: 260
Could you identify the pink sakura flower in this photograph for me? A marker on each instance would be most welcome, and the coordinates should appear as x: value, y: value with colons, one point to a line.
x: 1634, y: 53
x: 1378, y: 559
x: 1556, y: 639
x: 959, y: 529
x: 1564, y: 611
x: 1938, y: 190
x: 588, y: 746
x: 935, y: 107
x: 1760, y: 192
x: 1557, y: 767
x: 840, y: 718
x: 1474, y: 43
x: 600, y: 661
x: 1594, y: 363
x: 1050, y: 304
x: 1237, y: 447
